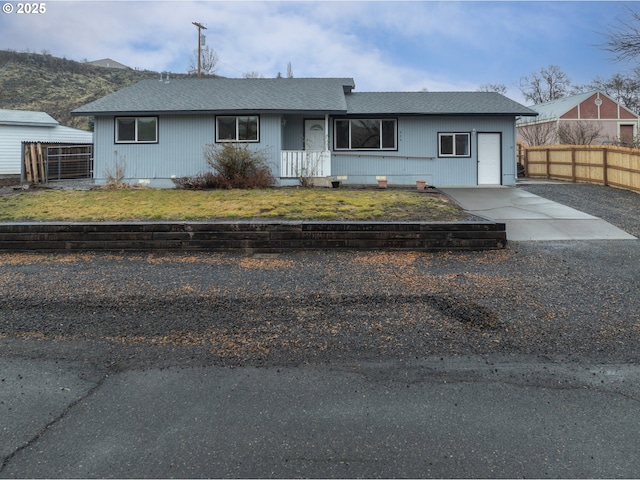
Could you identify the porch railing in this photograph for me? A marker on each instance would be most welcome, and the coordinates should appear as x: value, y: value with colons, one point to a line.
x: 301, y: 163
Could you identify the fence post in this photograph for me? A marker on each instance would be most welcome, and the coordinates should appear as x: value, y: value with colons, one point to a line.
x: 59, y: 162
x: 34, y: 163
x: 546, y: 163
x: 42, y: 172
x: 605, y: 167
x: 573, y: 164
x: 26, y: 155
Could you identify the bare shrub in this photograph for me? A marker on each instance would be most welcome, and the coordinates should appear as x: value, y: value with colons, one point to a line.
x: 208, y: 180
x: 538, y: 133
x: 200, y: 181
x: 115, y: 176
x: 579, y: 133
x: 237, y: 166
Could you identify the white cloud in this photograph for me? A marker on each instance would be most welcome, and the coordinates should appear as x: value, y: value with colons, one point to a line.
x: 383, y: 45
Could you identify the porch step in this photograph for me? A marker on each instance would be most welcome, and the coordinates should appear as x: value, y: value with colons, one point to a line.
x: 245, y: 236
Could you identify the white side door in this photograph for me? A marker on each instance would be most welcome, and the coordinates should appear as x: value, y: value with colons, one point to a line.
x: 489, y: 159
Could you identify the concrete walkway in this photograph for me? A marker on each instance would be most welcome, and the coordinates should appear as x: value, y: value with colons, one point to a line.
x: 530, y: 217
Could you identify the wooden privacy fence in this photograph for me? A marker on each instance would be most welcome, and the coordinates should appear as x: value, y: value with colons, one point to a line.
x: 602, y: 164
x: 55, y: 161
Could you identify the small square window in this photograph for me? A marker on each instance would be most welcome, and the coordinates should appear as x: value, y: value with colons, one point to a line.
x: 136, y: 130
x: 454, y: 145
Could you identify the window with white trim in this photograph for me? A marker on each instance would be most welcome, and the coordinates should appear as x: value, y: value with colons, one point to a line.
x: 454, y: 145
x: 365, y: 134
x: 237, y: 129
x: 136, y: 129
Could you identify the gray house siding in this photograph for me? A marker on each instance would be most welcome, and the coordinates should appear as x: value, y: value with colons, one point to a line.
x: 183, y: 138
x: 417, y: 155
x: 293, y: 132
x: 179, y: 151
x: 271, y: 140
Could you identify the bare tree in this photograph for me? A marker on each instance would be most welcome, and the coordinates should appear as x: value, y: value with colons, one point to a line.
x: 624, y: 89
x: 493, y: 87
x: 549, y: 84
x: 252, y: 74
x: 538, y: 133
x: 578, y: 133
x: 623, y: 39
x: 208, y: 61
x: 289, y: 70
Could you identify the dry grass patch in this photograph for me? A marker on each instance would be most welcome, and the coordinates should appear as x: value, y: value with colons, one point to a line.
x: 287, y: 204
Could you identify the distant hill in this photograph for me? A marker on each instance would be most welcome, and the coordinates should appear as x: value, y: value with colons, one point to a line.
x: 42, y: 82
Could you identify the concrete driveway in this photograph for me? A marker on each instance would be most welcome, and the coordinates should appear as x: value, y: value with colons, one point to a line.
x: 530, y: 217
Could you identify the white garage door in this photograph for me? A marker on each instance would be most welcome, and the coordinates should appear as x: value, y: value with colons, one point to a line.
x: 489, y: 159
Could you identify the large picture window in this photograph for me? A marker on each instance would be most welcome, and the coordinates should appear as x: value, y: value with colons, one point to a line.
x: 237, y: 129
x: 365, y: 134
x: 454, y: 145
x: 137, y: 130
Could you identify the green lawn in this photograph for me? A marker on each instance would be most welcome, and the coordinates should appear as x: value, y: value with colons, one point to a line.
x: 279, y: 203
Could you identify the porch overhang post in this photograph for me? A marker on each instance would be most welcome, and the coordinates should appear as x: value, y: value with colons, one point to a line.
x: 326, y: 132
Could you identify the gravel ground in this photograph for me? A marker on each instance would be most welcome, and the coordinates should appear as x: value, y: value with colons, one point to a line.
x: 618, y: 207
x: 563, y: 300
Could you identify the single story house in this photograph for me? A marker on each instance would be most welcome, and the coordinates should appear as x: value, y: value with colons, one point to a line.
x: 592, y: 111
x: 157, y: 130
x: 18, y: 126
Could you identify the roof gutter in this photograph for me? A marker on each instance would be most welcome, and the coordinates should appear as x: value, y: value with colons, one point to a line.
x: 205, y: 112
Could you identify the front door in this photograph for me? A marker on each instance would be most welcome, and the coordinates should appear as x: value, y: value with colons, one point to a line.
x: 489, y: 159
x: 314, y: 135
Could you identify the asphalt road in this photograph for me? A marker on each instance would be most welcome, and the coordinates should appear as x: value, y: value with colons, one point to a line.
x: 515, y: 363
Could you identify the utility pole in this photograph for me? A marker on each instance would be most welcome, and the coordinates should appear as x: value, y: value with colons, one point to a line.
x: 200, y: 28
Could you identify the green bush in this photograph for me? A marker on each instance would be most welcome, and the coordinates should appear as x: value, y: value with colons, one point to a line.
x: 237, y: 166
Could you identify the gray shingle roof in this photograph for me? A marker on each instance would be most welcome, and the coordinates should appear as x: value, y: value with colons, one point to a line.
x: 434, y: 103
x: 317, y: 95
x: 224, y: 95
x: 24, y: 117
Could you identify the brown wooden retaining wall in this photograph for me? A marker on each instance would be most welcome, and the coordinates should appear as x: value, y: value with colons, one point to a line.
x: 251, y: 236
x: 602, y: 164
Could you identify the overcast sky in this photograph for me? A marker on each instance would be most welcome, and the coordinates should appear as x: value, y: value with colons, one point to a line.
x: 383, y: 45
